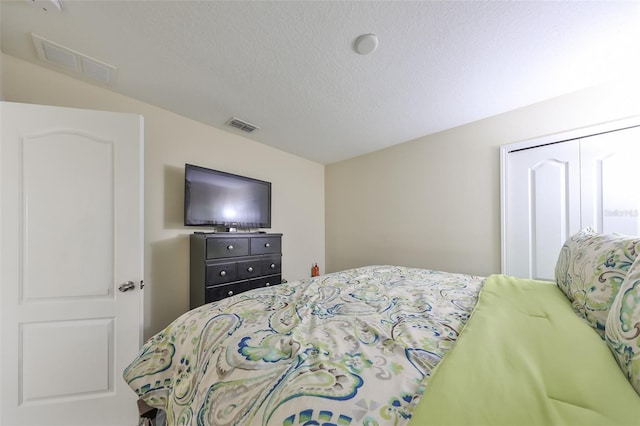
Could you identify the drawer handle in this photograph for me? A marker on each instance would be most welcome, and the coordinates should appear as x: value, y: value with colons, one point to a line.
x: 267, y: 245
x: 272, y: 266
x: 267, y: 284
x: 230, y: 247
x: 230, y: 293
x: 250, y: 269
x: 223, y: 273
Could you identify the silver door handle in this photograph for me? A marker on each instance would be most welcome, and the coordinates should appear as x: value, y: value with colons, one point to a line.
x: 129, y: 285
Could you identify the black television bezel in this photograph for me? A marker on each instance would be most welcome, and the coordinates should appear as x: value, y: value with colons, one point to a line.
x: 222, y: 224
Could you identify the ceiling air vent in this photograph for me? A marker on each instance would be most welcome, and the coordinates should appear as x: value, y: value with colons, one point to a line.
x: 74, y: 62
x: 242, y: 125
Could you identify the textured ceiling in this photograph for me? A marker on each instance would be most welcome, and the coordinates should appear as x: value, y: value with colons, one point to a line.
x: 289, y: 66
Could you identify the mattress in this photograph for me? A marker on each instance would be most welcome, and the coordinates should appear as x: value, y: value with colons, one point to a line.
x: 386, y: 345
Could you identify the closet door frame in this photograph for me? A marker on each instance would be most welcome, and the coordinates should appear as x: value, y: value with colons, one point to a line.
x: 581, y: 133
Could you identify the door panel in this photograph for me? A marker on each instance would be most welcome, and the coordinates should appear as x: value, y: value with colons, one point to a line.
x: 541, y: 187
x: 74, y: 192
x: 610, y: 198
x: 90, y: 340
x: 549, y: 206
x: 71, y: 233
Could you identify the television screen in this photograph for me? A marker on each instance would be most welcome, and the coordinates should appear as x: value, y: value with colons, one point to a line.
x: 220, y: 199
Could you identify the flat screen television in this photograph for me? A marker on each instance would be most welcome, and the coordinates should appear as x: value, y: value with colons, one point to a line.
x: 219, y: 199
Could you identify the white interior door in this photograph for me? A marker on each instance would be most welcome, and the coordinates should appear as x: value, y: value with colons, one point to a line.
x: 71, y: 235
x: 610, y: 193
x: 542, y: 189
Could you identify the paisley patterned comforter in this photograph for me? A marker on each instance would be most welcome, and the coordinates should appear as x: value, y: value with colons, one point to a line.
x: 352, y: 347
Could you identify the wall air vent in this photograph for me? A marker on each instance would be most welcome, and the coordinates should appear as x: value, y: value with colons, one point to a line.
x: 242, y: 125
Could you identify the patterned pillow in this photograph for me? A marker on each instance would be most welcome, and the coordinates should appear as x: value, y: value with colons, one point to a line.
x: 623, y: 326
x: 590, y: 270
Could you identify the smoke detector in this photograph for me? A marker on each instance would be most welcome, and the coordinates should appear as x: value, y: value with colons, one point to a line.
x: 365, y: 44
x: 47, y: 5
x: 242, y: 125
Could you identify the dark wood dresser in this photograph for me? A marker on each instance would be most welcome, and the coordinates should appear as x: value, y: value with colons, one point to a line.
x: 224, y: 264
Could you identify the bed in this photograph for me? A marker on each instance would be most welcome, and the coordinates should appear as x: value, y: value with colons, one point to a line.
x: 391, y: 345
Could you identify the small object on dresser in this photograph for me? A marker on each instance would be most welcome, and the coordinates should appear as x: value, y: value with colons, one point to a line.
x: 315, y: 270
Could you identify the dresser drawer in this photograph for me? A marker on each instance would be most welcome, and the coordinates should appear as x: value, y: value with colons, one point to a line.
x: 271, y: 265
x: 265, y: 245
x: 249, y: 268
x: 227, y: 247
x: 221, y: 291
x: 220, y: 273
x: 227, y: 290
x: 266, y: 281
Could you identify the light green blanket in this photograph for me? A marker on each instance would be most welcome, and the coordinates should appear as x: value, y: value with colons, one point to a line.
x: 525, y: 358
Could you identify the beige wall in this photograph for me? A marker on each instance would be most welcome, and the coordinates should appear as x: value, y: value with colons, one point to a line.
x: 170, y: 142
x: 435, y: 202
